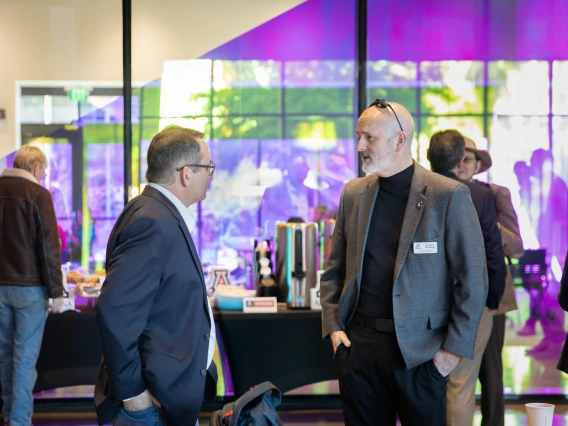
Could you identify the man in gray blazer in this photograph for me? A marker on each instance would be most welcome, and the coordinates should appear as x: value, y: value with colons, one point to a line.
x: 406, y: 281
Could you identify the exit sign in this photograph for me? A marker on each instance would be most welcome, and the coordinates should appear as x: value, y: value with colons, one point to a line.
x: 78, y: 95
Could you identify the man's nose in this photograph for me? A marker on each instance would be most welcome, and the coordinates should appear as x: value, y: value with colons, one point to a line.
x: 361, y: 146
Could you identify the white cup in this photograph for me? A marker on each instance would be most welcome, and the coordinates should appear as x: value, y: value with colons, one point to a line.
x: 539, y: 414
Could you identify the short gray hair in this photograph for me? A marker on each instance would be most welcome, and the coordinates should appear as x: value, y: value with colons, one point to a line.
x: 171, y: 148
x: 28, y: 157
x: 446, y: 150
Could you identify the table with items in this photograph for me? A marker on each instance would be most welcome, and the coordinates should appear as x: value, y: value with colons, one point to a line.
x: 285, y: 348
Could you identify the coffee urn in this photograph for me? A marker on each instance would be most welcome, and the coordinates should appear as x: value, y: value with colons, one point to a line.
x: 296, y: 262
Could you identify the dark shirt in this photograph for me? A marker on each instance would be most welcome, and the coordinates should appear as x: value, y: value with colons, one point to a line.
x: 375, y: 299
x: 485, y: 206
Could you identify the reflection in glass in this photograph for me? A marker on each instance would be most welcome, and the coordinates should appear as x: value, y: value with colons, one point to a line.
x: 319, y: 127
x: 64, y: 110
x: 186, y: 88
x: 319, y: 87
x: 105, y: 195
x: 229, y: 213
x: 32, y: 109
x: 560, y: 87
x: 59, y: 177
x: 450, y: 87
x: 247, y: 127
x: 519, y: 88
x: 93, y: 109
x: 319, y: 74
x: 512, y: 142
x: 197, y: 123
x: 393, y: 81
x: 560, y: 146
x: 247, y: 87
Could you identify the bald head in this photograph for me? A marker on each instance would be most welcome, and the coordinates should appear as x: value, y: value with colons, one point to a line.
x: 386, y: 118
x: 406, y: 121
x: 385, y: 148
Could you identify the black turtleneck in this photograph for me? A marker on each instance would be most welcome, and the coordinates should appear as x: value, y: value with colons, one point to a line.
x: 375, y: 299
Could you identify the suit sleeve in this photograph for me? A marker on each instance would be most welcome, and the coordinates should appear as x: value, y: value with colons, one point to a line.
x: 496, y: 268
x: 466, y: 258
x: 48, y: 246
x: 563, y: 294
x: 507, y: 218
x: 134, y: 271
x: 333, y: 278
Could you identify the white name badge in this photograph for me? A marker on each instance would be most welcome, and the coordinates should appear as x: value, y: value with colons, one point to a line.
x: 424, y: 248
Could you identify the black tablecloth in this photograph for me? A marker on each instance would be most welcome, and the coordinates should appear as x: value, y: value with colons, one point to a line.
x: 285, y: 348
x: 70, y: 352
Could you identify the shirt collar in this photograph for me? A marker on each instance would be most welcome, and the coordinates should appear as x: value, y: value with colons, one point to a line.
x: 175, y: 200
x: 448, y: 174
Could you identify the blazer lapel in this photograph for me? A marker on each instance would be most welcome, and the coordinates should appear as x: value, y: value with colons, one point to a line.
x: 192, y: 248
x: 365, y: 208
x: 154, y: 193
x: 412, y: 214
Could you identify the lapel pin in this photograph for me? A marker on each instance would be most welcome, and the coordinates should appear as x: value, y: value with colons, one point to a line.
x: 419, y: 205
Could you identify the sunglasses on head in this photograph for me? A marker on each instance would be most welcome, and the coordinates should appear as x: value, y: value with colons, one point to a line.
x: 382, y: 103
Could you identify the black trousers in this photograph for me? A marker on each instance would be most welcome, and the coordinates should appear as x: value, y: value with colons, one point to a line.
x: 491, y: 376
x: 375, y: 384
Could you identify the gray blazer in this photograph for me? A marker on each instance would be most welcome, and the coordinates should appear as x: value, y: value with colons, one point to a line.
x: 438, y: 298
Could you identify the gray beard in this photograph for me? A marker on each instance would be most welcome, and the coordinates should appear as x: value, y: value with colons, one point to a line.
x: 376, y: 166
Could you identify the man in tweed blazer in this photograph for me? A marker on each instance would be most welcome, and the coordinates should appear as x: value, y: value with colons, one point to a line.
x: 406, y: 282
x: 491, y: 371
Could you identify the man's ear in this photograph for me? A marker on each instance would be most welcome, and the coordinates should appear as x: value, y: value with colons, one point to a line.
x: 460, y: 163
x: 400, y: 141
x: 186, y: 177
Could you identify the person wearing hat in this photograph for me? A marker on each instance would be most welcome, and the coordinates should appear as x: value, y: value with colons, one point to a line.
x: 446, y: 153
x: 491, y: 371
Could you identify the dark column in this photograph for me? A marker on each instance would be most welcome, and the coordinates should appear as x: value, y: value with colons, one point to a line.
x: 127, y: 93
x: 361, y: 52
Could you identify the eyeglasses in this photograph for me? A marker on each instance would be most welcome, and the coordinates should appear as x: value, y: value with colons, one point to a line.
x: 469, y: 160
x: 210, y: 167
x: 382, y: 103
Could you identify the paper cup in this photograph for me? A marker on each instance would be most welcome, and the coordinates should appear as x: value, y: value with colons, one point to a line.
x: 539, y: 414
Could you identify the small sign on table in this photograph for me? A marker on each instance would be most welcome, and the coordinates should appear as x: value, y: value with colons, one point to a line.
x: 260, y: 305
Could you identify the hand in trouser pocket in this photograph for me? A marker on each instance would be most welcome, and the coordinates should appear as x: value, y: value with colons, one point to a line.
x: 149, y: 416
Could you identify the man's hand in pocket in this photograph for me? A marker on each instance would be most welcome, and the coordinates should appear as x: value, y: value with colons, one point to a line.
x: 338, y: 338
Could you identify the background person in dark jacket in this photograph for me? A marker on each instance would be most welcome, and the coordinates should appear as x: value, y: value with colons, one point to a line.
x: 491, y: 371
x: 446, y: 153
x: 30, y: 272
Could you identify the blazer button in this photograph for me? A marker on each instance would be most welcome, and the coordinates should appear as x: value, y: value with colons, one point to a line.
x: 207, y: 336
x: 203, y: 372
